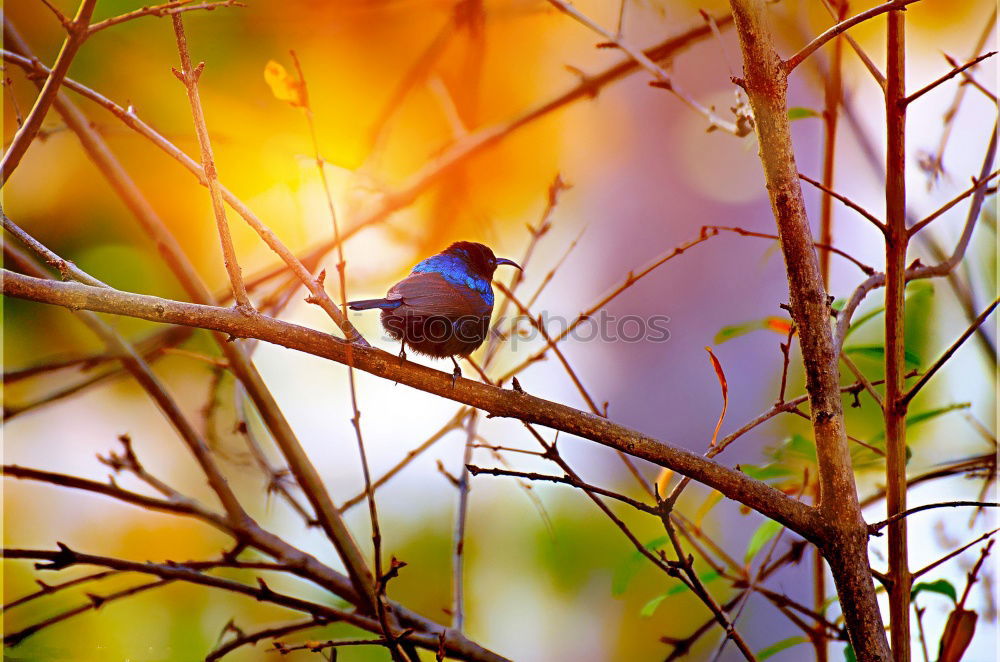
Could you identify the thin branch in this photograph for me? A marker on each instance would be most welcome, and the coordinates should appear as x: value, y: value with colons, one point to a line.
x: 976, y: 185
x: 873, y: 529
x: 188, y: 75
x: 166, y: 9
x: 847, y: 201
x: 847, y: 24
x: 862, y: 55
x: 565, y: 480
x: 76, y: 35
x: 861, y: 378
x: 952, y: 554
x: 251, y: 638
x: 948, y: 352
x: 663, y: 79
x: 454, y: 423
x: 764, y: 235
x: 948, y: 76
x: 94, y: 602
x: 969, y: 79
x: 48, y: 589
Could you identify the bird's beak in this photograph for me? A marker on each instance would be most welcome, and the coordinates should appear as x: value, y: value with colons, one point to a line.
x: 503, y: 260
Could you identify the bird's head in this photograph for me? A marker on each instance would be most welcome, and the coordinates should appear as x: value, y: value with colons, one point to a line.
x: 478, y: 257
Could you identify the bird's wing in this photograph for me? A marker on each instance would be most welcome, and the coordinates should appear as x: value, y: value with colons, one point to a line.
x: 431, y: 294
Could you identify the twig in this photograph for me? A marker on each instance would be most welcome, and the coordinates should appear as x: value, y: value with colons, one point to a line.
x: 969, y: 79
x: 48, y: 589
x: 862, y: 55
x: 663, y: 79
x: 847, y: 201
x: 454, y: 423
x: 948, y: 352
x: 956, y: 70
x: 166, y: 9
x: 188, y: 75
x: 953, y: 553
x: 873, y: 529
x: 93, y: 603
x: 937, y: 166
x: 840, y: 27
x: 76, y: 35
x: 458, y: 536
x: 974, y: 574
x: 976, y: 185
x: 566, y: 480
x: 251, y: 638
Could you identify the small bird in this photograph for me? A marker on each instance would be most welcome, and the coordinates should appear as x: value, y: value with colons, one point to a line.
x: 443, y: 307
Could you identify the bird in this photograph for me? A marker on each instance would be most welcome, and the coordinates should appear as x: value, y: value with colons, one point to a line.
x: 443, y: 308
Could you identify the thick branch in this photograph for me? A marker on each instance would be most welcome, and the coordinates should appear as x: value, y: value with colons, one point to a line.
x: 496, y: 401
x: 845, y: 544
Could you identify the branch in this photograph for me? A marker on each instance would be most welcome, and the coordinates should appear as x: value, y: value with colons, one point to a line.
x: 948, y: 76
x: 948, y: 352
x: 976, y: 185
x: 832, y: 32
x: 166, y: 9
x: 189, y: 75
x: 33, y: 122
x: 847, y: 201
x: 873, y: 529
x: 663, y: 79
x: 495, y: 401
x: 566, y: 480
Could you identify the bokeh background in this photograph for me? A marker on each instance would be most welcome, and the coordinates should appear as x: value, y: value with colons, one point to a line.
x: 645, y: 177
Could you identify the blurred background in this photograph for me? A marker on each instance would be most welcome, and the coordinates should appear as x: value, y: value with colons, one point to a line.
x: 645, y: 176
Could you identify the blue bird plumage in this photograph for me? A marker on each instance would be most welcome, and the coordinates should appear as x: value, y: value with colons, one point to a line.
x: 443, y: 307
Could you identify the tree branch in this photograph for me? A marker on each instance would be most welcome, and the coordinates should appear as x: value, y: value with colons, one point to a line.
x: 497, y: 402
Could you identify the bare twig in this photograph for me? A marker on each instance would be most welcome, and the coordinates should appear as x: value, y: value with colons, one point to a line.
x: 873, y: 529
x: 76, y: 35
x: 840, y: 27
x: 188, y: 75
x: 948, y: 352
x: 166, y: 9
x: 847, y: 201
x: 956, y: 70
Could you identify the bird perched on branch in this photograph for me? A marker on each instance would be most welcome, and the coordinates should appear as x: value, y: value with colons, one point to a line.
x: 443, y: 307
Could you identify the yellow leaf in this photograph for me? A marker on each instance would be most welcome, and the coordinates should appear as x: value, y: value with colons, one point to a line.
x: 284, y: 86
x: 662, y: 481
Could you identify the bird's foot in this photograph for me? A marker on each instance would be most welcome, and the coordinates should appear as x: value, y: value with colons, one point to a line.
x: 456, y: 373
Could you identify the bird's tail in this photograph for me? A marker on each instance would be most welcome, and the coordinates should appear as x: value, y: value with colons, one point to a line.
x: 368, y: 304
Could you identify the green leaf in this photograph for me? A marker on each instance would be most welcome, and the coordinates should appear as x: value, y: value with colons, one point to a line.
x: 764, y: 532
x: 877, y: 353
x: 736, y: 330
x: 626, y: 571
x: 915, y: 292
x: 849, y: 655
x: 942, y: 586
x: 923, y: 416
x: 774, y: 649
x: 800, y: 113
x: 766, y: 472
x: 650, y: 607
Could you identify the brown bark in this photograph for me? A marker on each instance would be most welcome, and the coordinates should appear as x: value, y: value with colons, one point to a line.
x: 845, y: 536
